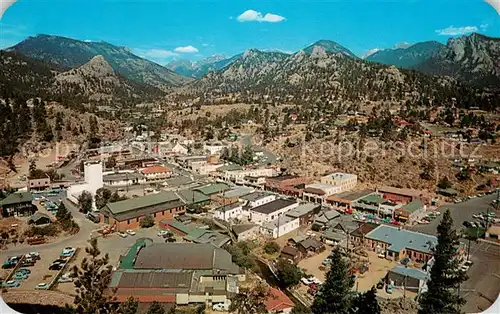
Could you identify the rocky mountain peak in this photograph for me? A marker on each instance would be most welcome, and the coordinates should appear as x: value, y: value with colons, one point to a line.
x: 98, y: 67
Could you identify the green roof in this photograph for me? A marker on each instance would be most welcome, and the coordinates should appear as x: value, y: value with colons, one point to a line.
x: 17, y: 198
x: 180, y: 226
x: 413, y: 206
x: 230, y: 167
x: 141, y: 202
x: 214, y: 188
x: 373, y: 199
x: 193, y: 197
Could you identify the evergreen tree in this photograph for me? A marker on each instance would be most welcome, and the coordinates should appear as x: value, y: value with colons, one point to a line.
x: 289, y: 274
x: 367, y: 302
x: 442, y: 295
x: 91, y: 280
x: 335, y: 295
x: 250, y: 301
x: 85, y: 202
x: 130, y: 306
x: 155, y: 308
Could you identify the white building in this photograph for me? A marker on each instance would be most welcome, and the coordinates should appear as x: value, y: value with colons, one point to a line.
x: 208, y: 168
x: 239, y: 175
x: 279, y: 226
x: 229, y: 212
x: 156, y: 173
x: 214, y: 148
x: 124, y: 178
x: 180, y: 149
x: 318, y: 192
x: 257, y: 199
x: 345, y: 181
x: 245, y: 232
x: 272, y: 210
x: 92, y: 181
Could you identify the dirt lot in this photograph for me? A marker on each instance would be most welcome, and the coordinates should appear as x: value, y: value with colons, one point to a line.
x: 311, y: 265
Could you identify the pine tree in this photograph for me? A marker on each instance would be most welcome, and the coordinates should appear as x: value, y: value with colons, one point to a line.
x: 85, y: 202
x: 442, y: 295
x: 130, y: 306
x: 91, y: 280
x: 367, y: 302
x: 335, y: 295
x: 250, y: 301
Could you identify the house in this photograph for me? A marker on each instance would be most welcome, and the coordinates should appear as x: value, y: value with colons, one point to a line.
x: 277, y: 302
x: 304, y: 212
x: 39, y: 219
x: 290, y: 253
x: 287, y: 185
x: 332, y: 236
x: 411, y: 279
x: 229, y: 212
x: 279, y: 226
x: 358, y: 236
x: 344, y: 181
x: 411, y: 212
x: 18, y: 204
x: 399, y: 243
x: 193, y: 198
x: 318, y: 192
x: 257, y: 198
x: 239, y: 175
x: 213, y: 190
x: 322, y: 220
x: 234, y: 194
x: 128, y: 213
x: 398, y: 195
x: 254, y: 181
x: 156, y: 173
x: 193, y: 234
x: 192, y: 162
x: 311, y: 245
x: 245, y: 232
x: 37, y: 184
x: 272, y: 210
x: 177, y: 273
x: 123, y: 179
x: 180, y: 149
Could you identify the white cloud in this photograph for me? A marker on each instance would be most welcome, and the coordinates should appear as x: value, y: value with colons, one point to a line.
x: 254, y: 16
x: 159, y: 53
x: 453, y: 31
x: 186, y: 49
x: 370, y: 52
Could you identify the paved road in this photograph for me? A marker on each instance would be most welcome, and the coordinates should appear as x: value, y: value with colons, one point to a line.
x: 459, y: 212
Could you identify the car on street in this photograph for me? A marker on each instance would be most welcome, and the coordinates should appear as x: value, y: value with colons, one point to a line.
x: 131, y: 232
x: 11, y: 284
x: 42, y: 286
x: 122, y: 234
x: 164, y: 234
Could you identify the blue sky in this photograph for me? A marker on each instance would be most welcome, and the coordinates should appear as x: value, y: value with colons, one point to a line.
x: 163, y: 30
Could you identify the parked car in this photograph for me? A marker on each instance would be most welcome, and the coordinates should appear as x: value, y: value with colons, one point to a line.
x: 388, y: 288
x: 28, y: 263
x: 468, y: 263
x: 326, y: 261
x: 405, y: 261
x: 42, y: 286
x: 122, y: 234
x: 381, y: 255
x: 20, y: 276
x: 59, y: 261
x: 56, y: 266
x: 380, y: 284
x: 221, y: 307
x: 68, y: 251
x: 33, y: 255
x: 24, y: 271
x: 162, y: 233
x: 64, y: 279
x: 131, y: 232
x: 306, y: 281
x: 11, y: 284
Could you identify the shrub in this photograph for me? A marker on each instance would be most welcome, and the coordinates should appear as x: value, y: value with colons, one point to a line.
x: 49, y: 231
x: 147, y: 222
x: 271, y: 247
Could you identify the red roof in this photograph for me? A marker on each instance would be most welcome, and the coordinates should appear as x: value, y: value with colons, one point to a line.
x: 278, y: 301
x: 155, y: 169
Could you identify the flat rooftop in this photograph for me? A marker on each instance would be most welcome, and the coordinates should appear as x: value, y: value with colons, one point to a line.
x: 399, y: 239
x: 273, y: 206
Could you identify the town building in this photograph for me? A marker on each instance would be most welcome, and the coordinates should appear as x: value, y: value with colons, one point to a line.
x: 256, y: 199
x: 93, y: 180
x: 127, y: 214
x: 192, y: 162
x: 244, y: 232
x: 39, y: 219
x: 176, y: 273
x: 410, y: 279
x: 193, y: 233
x: 345, y: 200
x: 238, y: 176
x: 358, y: 236
x: 279, y: 226
x: 193, y: 198
x: 310, y: 245
x: 180, y: 149
x: 125, y: 178
x: 291, y: 253
x: 214, y: 148
x: 324, y: 219
x: 156, y: 173
x: 287, y: 185
x: 37, y: 184
x: 213, y: 190
x: 304, y: 212
x: 398, y: 195
x: 318, y: 192
x: 18, y: 204
x: 233, y: 195
x: 411, y: 212
x: 229, y: 212
x: 278, y: 302
x: 398, y: 243
x: 272, y: 210
x: 344, y: 181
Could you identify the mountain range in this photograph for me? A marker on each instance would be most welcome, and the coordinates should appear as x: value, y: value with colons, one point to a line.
x: 325, y: 70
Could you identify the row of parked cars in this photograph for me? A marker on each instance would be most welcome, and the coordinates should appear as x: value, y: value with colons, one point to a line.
x: 22, y: 273
x: 126, y: 233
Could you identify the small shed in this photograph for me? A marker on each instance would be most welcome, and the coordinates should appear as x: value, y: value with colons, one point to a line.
x: 311, y: 245
x: 291, y: 253
x: 39, y: 219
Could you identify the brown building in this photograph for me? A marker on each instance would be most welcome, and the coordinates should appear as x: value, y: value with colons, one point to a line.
x: 291, y: 253
x: 398, y: 195
x: 358, y: 235
x: 346, y: 199
x: 305, y: 212
x: 127, y: 214
x: 311, y: 245
x: 288, y: 185
x: 38, y: 184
